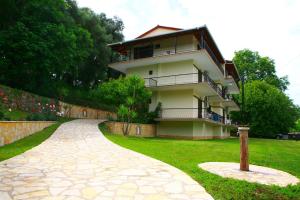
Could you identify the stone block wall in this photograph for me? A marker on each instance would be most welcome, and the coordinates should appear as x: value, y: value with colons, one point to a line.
x: 11, y: 131
x: 140, y: 130
x: 75, y: 111
x: 28, y: 102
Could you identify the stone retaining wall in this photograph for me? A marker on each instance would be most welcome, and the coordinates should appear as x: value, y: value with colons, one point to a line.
x: 141, y: 130
x: 11, y: 131
x: 75, y: 111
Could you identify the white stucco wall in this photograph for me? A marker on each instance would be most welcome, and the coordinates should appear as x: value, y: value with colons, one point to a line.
x: 175, y: 129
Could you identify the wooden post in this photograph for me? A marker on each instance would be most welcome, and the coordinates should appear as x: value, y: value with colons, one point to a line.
x: 244, y: 154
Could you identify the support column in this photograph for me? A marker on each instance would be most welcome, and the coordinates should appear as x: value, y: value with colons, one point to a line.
x: 244, y: 154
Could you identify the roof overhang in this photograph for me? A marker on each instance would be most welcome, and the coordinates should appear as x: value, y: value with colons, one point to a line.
x: 232, y: 70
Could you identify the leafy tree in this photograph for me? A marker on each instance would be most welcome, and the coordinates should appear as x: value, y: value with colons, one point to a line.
x: 128, y: 95
x: 296, y: 128
x: 267, y: 110
x: 46, y: 45
x: 255, y: 67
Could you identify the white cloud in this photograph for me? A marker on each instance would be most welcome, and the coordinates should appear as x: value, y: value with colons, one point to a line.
x: 269, y: 27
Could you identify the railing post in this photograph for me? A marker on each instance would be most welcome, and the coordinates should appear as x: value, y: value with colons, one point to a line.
x: 175, y: 44
x: 244, y: 154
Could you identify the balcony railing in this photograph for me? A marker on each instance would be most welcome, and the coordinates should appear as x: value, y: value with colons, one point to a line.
x: 190, y: 113
x: 171, y: 50
x: 229, y: 97
x: 179, y: 79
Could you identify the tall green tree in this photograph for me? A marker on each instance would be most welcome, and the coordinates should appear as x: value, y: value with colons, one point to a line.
x: 49, y: 44
x: 268, y: 110
x: 130, y: 96
x: 253, y: 66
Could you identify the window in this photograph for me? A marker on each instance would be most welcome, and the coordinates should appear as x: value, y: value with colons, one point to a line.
x: 150, y: 72
x: 143, y: 52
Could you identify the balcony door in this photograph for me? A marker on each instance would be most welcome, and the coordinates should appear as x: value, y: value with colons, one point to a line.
x: 143, y: 52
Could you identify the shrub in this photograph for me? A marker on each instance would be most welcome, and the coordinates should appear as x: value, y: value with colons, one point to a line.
x: 41, y: 117
x: 1, y: 112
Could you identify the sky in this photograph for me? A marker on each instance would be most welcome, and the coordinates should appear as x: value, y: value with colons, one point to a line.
x: 271, y: 27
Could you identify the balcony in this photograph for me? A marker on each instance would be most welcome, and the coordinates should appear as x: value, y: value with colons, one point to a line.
x: 201, y: 56
x: 231, y: 103
x: 182, y: 79
x: 190, y: 114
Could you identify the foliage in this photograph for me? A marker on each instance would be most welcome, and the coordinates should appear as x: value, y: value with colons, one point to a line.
x: 296, y: 128
x: 267, y: 110
x: 255, y: 67
x: 127, y: 94
x: 1, y: 111
x: 41, y: 117
x: 19, y: 100
x: 52, y: 47
x: 149, y: 117
x: 282, y: 155
x: 15, y: 115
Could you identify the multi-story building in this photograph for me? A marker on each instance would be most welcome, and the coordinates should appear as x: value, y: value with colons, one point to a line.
x: 188, y: 75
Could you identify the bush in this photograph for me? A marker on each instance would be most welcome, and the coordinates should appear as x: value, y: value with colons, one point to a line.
x: 1, y: 111
x: 42, y: 117
x: 1, y: 114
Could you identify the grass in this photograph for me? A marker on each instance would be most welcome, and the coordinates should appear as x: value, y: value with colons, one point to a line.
x: 22, y: 145
x: 186, y: 155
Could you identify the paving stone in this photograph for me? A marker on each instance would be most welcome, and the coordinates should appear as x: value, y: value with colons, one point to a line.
x: 258, y: 174
x: 78, y: 162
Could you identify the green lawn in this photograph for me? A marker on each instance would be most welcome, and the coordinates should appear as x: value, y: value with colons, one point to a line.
x: 186, y: 155
x: 28, y: 142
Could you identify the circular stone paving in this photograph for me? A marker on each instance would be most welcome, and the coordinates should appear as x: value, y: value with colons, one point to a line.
x: 258, y: 174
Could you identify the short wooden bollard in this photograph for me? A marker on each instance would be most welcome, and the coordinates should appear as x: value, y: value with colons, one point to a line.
x: 244, y: 154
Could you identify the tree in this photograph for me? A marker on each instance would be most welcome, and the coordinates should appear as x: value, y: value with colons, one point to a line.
x: 128, y: 95
x: 255, y: 67
x: 296, y: 128
x: 267, y: 110
x: 49, y: 44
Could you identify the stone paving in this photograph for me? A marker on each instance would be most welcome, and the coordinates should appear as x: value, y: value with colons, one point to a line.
x: 258, y: 174
x: 78, y: 162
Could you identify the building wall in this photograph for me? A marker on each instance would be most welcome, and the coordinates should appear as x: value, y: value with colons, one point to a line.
x: 158, y: 31
x: 167, y: 46
x: 144, y: 71
x: 191, y: 130
x: 176, y: 98
x: 163, y: 69
x: 173, y: 68
x: 205, y: 130
x: 142, y: 130
x: 169, y: 99
x: 178, y: 129
x: 11, y: 131
x: 183, y: 43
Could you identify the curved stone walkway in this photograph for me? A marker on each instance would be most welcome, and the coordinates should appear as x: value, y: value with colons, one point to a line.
x: 78, y: 162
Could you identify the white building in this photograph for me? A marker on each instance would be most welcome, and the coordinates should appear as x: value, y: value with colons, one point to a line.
x: 188, y: 75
